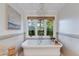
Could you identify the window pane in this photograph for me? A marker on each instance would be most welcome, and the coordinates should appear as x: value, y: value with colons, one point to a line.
x: 31, y: 27
x: 40, y: 27
x: 50, y: 27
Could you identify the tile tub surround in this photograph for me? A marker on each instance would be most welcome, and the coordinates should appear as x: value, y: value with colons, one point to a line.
x: 3, y: 37
x: 44, y: 48
x: 69, y: 35
x: 70, y: 44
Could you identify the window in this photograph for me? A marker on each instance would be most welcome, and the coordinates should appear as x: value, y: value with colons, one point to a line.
x: 31, y: 27
x: 40, y: 27
x: 37, y: 27
x: 50, y: 27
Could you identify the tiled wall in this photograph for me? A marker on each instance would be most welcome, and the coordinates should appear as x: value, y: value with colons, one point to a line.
x: 70, y: 44
x: 14, y: 41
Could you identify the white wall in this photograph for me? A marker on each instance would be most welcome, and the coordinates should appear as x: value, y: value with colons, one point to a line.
x: 14, y: 41
x: 3, y: 22
x: 69, y: 24
x: 17, y: 40
x: 48, y: 13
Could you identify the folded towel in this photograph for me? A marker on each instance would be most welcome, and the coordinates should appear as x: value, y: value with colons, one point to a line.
x: 1, y: 52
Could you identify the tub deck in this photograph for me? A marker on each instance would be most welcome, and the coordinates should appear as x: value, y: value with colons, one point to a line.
x: 41, y: 48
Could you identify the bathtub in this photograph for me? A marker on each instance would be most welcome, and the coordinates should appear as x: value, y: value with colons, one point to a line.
x: 43, y: 47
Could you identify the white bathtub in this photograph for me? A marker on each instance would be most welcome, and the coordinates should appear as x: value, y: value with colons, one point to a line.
x: 40, y: 48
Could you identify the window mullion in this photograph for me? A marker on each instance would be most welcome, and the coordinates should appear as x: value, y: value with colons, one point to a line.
x: 45, y: 28
x: 36, y: 28
x: 27, y: 28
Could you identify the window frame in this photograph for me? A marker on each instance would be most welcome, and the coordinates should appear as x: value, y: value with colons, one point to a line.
x: 36, y: 32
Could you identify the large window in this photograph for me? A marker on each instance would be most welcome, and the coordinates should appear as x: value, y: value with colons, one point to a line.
x: 50, y: 27
x: 31, y: 27
x: 40, y: 27
x: 37, y: 27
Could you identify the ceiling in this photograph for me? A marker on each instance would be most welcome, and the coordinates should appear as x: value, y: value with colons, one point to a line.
x: 29, y: 8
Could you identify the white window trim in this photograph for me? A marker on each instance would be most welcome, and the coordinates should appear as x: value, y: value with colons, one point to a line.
x: 45, y: 29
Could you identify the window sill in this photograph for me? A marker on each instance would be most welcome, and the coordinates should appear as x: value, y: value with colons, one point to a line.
x: 37, y: 36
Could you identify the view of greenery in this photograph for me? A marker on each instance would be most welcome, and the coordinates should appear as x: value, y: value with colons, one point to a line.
x: 50, y: 27
x: 31, y: 28
x: 40, y: 27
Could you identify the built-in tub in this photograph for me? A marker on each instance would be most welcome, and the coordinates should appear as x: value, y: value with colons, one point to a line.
x: 41, y: 48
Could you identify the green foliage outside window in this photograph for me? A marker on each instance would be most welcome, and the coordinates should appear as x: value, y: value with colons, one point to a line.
x: 31, y: 28
x: 40, y: 27
x: 50, y: 27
